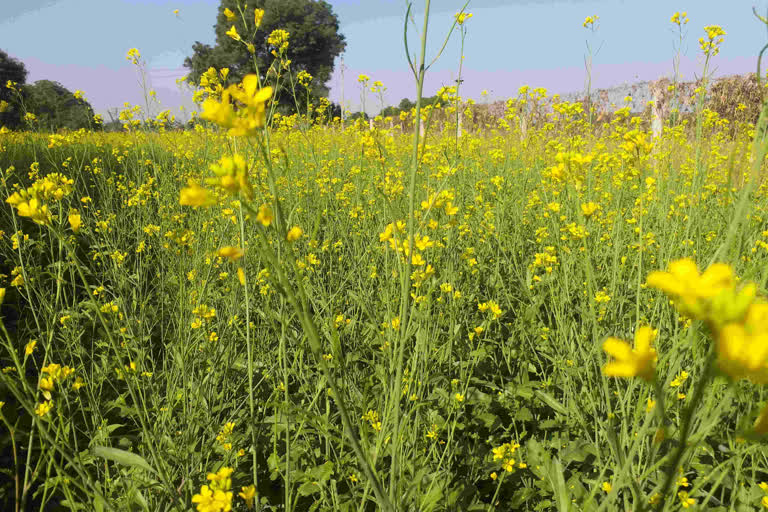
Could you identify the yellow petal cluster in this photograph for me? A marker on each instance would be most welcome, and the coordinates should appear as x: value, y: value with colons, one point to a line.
x: 639, y: 361
x: 742, y: 347
x: 250, y: 115
x: 692, y: 291
x: 195, y: 195
x: 32, y: 202
x: 231, y: 176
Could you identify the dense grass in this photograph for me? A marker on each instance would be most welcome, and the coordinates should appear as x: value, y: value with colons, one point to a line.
x: 472, y: 381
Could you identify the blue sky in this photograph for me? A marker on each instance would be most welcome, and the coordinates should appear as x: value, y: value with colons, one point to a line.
x: 82, y: 44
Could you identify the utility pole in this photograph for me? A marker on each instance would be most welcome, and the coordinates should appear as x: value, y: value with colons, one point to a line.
x: 342, y: 92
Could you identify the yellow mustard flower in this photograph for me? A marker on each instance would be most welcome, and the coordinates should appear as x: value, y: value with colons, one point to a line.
x: 232, y: 32
x: 258, y: 17
x: 195, y: 195
x: 231, y: 253
x: 294, y: 234
x: 461, y: 17
x: 44, y: 408
x: 75, y: 221
x: 279, y: 39
x: 742, y: 347
x: 691, y: 290
x: 639, y: 361
x: 685, y: 500
x: 210, y: 500
x: 265, y: 215
x: 248, y: 494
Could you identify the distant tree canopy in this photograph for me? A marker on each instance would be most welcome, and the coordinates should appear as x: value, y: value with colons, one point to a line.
x: 314, y: 41
x: 56, y: 107
x: 406, y: 105
x: 13, y: 70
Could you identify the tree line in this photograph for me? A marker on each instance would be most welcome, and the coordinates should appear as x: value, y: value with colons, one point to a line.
x: 53, y: 106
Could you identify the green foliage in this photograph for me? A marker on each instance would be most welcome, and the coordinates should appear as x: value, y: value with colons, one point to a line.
x: 13, y: 70
x: 56, y: 107
x: 406, y: 105
x: 315, y: 41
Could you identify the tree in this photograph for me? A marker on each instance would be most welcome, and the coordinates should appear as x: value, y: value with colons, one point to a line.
x: 56, y: 107
x: 315, y: 41
x: 13, y: 70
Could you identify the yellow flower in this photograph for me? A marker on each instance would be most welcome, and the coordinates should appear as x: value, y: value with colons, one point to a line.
x: 220, y: 113
x: 229, y: 14
x: 248, y: 493
x: 133, y: 55
x: 248, y: 120
x: 742, y: 347
x: 693, y: 292
x: 294, y: 234
x: 265, y: 215
x: 589, y: 21
x: 79, y: 382
x: 2, y: 295
x: 588, y: 209
x: 685, y: 501
x: 230, y: 252
x: 258, y: 16
x: 711, y: 45
x: 279, y: 38
x: 629, y: 362
x: 75, y: 221
x: 43, y: 408
x: 606, y: 486
x: 231, y: 175
x: 28, y: 204
x: 29, y: 348
x: 46, y: 384
x: 680, y: 18
x: 195, y: 195
x: 461, y: 17
x: 232, y: 32
x: 241, y: 276
x: 210, y: 500
x: 221, y: 479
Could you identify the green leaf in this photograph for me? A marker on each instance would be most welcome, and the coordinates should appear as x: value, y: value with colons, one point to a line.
x: 123, y: 457
x: 322, y: 472
x: 558, y: 484
x: 551, y: 402
x: 430, y: 500
x: 308, y: 488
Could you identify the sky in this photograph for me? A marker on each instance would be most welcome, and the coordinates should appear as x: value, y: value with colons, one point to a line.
x: 509, y: 43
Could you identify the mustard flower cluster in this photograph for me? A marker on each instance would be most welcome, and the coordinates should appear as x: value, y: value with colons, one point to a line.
x: 33, y: 201
x: 711, y: 44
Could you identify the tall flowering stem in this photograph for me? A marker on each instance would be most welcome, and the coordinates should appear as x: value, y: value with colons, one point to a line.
x: 419, y: 73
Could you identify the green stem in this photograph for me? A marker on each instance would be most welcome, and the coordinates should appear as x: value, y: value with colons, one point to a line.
x: 685, y: 430
x: 249, y: 350
x: 405, y: 277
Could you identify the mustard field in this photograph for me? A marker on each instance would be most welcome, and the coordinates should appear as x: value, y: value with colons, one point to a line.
x: 538, y: 311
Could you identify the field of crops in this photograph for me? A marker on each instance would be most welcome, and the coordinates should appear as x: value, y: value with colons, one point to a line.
x: 288, y: 313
